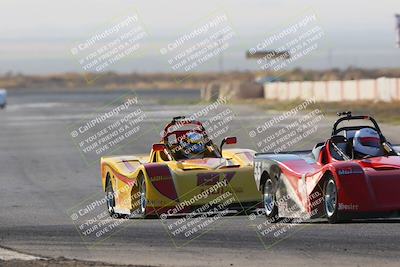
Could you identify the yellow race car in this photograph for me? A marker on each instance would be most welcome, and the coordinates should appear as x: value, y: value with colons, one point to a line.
x: 185, y: 173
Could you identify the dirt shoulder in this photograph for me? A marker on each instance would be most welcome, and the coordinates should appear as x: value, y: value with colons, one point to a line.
x: 58, y: 262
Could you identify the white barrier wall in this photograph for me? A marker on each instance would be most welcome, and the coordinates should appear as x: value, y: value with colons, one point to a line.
x: 382, y: 89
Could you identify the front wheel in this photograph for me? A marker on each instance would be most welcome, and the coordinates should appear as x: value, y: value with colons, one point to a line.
x: 331, y: 201
x: 110, y: 197
x: 143, y: 196
x: 139, y: 203
x: 269, y: 201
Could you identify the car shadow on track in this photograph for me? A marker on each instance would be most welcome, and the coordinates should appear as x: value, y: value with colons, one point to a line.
x: 353, y: 221
x: 356, y: 221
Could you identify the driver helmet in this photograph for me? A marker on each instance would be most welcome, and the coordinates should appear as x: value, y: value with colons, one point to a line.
x: 367, y: 142
x: 193, y: 143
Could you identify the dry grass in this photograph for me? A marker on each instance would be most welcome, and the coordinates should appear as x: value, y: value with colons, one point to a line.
x: 381, y: 111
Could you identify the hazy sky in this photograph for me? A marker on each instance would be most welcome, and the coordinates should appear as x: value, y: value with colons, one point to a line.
x: 36, y: 36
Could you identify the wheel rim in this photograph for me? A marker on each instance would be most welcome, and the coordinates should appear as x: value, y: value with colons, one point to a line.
x: 269, y: 201
x: 110, y: 199
x: 330, y: 198
x: 143, y: 200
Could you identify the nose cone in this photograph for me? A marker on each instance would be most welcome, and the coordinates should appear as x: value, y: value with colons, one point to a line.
x: 206, y: 163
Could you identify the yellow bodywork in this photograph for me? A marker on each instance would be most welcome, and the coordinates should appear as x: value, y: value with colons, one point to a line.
x: 233, y: 173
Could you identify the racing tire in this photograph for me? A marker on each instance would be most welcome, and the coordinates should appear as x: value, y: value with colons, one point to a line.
x: 110, y: 197
x: 269, y: 200
x: 143, y: 196
x: 331, y: 201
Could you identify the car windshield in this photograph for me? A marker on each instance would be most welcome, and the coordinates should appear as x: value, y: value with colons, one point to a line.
x: 191, y: 145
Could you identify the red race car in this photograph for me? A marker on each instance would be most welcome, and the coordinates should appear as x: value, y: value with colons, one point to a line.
x: 354, y: 174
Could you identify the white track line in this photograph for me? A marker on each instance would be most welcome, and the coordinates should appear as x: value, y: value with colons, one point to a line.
x: 6, y: 255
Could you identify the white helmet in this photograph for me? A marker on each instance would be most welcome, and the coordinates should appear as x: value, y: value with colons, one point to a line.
x: 367, y: 142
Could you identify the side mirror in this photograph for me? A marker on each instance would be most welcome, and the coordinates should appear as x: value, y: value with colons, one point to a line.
x: 158, y: 147
x: 230, y: 140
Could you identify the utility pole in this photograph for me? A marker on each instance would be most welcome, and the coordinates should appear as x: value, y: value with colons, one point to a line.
x: 398, y: 29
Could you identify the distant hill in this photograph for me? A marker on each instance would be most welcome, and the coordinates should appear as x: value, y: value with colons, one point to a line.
x: 111, y: 80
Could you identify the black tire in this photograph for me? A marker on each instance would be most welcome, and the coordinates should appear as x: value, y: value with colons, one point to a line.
x: 143, y: 196
x: 331, y: 201
x: 110, y: 196
x: 110, y: 199
x: 269, y: 200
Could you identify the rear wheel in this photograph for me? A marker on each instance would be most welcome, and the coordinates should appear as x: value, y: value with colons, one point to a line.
x: 269, y: 200
x: 331, y: 200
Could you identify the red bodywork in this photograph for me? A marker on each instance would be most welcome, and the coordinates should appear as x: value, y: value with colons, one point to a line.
x: 364, y: 186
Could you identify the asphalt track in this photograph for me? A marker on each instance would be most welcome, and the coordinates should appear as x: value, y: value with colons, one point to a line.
x: 43, y: 175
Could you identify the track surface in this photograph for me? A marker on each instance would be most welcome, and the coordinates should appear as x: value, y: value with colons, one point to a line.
x: 43, y: 175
